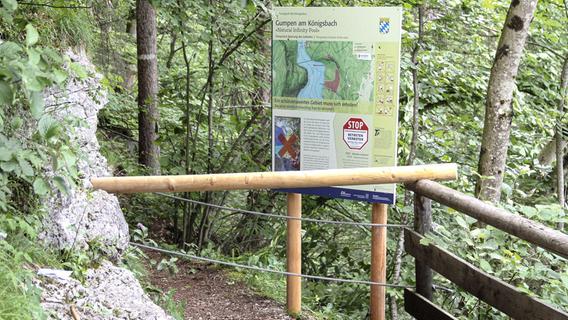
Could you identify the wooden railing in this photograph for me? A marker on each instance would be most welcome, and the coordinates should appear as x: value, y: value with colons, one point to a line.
x: 491, y: 290
x: 298, y: 179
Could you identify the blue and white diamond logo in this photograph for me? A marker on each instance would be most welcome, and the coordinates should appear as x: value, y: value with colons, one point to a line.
x: 384, y: 25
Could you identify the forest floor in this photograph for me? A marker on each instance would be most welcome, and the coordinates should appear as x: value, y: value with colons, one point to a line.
x: 209, y: 293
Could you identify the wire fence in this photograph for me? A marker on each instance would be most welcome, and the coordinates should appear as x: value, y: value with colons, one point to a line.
x: 260, y: 269
x: 245, y: 106
x: 278, y: 216
x: 286, y: 217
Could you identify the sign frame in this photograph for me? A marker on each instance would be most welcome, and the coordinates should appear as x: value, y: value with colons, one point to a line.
x: 327, y: 43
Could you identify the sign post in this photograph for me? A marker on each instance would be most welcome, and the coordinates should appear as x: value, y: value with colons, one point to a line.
x: 378, y: 261
x: 335, y: 79
x: 294, y: 254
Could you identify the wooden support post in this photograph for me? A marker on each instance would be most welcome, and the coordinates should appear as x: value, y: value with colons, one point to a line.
x: 294, y: 254
x: 378, y: 261
x: 423, y: 225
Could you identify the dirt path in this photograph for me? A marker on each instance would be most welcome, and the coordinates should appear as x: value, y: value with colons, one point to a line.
x: 210, y: 294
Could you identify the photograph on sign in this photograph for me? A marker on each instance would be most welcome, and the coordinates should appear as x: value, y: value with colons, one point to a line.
x: 286, y: 144
x: 335, y: 79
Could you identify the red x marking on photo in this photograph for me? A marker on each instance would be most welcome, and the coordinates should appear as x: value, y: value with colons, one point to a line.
x: 288, y: 145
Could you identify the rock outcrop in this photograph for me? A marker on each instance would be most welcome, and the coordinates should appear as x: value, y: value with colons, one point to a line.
x: 109, y: 292
x: 83, y: 217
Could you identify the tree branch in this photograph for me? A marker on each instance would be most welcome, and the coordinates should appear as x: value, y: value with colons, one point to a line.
x: 52, y: 6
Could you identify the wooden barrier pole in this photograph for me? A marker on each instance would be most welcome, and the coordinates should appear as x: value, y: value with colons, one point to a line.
x: 378, y: 261
x: 294, y: 254
x: 271, y: 180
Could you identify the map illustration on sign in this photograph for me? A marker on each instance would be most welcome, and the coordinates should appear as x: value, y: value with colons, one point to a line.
x: 321, y: 70
x: 335, y: 78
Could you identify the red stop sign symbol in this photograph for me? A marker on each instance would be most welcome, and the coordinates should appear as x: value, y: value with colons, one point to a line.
x: 355, y: 133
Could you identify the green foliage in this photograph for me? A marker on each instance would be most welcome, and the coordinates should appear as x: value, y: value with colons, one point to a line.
x: 30, y: 143
x: 460, y: 38
x: 531, y: 269
x: 214, y: 57
x: 31, y: 139
x: 136, y: 261
x: 19, y: 298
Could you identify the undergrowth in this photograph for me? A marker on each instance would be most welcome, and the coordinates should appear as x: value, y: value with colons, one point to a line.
x: 136, y: 261
x: 19, y: 256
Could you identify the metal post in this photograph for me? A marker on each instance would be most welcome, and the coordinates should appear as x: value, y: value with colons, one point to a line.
x: 378, y: 261
x: 294, y: 254
x: 423, y: 225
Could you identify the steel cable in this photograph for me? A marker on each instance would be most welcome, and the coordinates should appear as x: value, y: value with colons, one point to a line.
x: 237, y: 265
x: 272, y: 215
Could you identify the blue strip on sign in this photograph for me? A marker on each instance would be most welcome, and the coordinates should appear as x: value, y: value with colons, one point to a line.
x: 343, y: 193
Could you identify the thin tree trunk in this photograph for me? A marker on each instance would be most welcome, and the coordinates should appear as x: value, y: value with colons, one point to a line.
x: 130, y: 71
x: 498, y: 108
x: 411, y: 155
x: 559, y: 140
x: 210, y: 90
x: 187, y: 227
x: 148, y: 114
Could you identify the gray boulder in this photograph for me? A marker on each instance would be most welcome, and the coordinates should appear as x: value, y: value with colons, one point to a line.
x: 83, y: 216
x: 109, y: 292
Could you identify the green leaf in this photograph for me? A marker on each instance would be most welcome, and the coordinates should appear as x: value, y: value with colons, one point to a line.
x: 10, y: 5
x: 462, y: 222
x: 9, y: 49
x: 36, y: 104
x: 40, y: 187
x: 26, y: 167
x: 47, y: 127
x: 58, y: 76
x: 33, y: 56
x: 485, y: 266
x: 78, y: 70
x: 61, y: 184
x: 16, y: 123
x: 5, y: 154
x: 425, y: 241
x: 6, y: 95
x: 9, y: 166
x: 31, y: 35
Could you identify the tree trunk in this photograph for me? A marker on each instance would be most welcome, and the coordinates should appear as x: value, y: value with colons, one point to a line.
x: 130, y: 71
x: 547, y: 155
x: 560, y: 138
x: 498, y: 109
x: 148, y: 114
x: 411, y: 154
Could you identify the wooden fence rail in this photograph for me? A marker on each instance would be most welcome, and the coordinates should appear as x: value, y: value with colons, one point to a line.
x: 486, y: 287
x: 495, y: 292
x: 526, y: 229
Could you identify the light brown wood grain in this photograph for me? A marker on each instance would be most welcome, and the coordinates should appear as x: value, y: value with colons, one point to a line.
x: 378, y: 261
x: 275, y: 180
x: 294, y: 254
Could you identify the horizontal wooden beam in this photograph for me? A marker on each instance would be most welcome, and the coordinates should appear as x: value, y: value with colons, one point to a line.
x: 492, y: 290
x: 422, y: 309
x: 276, y: 180
x: 516, y: 225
